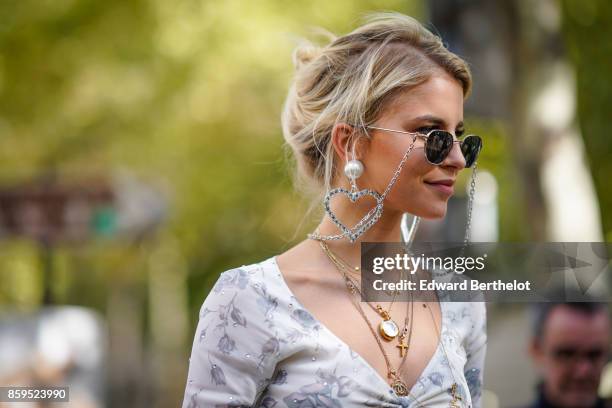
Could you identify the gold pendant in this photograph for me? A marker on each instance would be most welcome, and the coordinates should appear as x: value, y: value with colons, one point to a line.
x: 400, y: 388
x: 456, y: 398
x: 388, y: 329
x: 403, y: 347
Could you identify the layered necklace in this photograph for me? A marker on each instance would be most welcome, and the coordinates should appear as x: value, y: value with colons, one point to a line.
x: 388, y: 329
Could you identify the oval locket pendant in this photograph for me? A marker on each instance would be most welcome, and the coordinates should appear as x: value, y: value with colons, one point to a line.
x: 388, y: 329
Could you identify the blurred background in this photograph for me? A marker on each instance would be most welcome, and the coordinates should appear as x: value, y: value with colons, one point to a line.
x: 141, y: 155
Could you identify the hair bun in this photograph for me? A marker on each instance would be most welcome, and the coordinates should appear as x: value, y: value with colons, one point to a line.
x: 305, y: 53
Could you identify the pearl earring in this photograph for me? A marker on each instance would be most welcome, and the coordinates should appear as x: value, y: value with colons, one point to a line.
x: 353, y: 169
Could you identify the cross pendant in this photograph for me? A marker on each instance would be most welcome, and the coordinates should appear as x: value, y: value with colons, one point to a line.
x: 403, y: 347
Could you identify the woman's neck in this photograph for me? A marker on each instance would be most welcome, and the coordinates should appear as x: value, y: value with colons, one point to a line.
x: 387, y: 229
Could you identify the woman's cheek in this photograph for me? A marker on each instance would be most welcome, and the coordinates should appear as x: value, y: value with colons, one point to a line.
x: 415, y: 169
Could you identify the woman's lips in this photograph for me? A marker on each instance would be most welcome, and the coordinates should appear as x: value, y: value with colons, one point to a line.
x: 443, y: 186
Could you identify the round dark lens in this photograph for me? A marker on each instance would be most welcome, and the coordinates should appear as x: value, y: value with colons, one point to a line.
x: 439, y: 144
x: 470, y: 147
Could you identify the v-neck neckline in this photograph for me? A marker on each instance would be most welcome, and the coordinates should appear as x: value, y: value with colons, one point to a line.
x: 412, y: 394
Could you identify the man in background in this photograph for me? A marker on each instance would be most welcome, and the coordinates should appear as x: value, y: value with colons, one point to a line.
x: 570, y: 347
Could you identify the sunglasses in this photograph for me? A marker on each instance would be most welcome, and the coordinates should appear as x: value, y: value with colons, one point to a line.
x: 439, y: 143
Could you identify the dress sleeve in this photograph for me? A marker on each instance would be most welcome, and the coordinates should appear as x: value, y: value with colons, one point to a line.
x: 234, y: 350
x: 476, y: 349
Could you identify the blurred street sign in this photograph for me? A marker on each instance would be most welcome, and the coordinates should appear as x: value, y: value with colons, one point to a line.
x: 52, y: 211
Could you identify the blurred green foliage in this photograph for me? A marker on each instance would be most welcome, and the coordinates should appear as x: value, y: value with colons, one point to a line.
x: 588, y: 36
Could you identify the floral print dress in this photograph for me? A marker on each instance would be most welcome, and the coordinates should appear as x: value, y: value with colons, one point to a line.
x: 256, y: 346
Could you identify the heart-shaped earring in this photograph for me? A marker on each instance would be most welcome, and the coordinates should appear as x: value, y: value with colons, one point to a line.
x: 353, y: 170
x: 366, y: 221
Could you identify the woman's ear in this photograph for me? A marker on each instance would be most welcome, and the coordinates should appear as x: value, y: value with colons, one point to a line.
x: 345, y: 138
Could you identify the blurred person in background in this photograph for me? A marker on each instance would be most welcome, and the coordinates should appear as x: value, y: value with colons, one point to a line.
x: 570, y: 347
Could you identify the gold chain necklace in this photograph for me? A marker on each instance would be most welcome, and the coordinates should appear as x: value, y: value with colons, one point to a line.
x: 453, y: 389
x: 397, y: 384
x: 353, y: 286
x: 388, y: 328
x: 400, y: 387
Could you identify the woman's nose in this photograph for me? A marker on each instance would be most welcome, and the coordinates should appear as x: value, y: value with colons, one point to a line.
x: 455, y: 158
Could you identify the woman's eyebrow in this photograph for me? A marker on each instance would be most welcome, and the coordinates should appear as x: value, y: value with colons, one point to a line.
x: 435, y: 120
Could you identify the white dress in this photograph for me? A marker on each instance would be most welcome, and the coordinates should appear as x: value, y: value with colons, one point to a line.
x: 256, y: 346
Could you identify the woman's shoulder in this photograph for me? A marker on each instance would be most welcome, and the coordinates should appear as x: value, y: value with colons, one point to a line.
x: 253, y: 275
x: 247, y: 290
x: 236, y: 343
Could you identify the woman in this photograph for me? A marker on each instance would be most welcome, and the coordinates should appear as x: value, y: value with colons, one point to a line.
x: 372, y: 111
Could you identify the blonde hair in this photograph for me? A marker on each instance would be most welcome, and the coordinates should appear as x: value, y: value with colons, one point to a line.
x: 351, y: 80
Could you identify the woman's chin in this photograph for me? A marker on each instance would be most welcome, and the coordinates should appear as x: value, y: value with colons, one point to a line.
x: 434, y: 212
